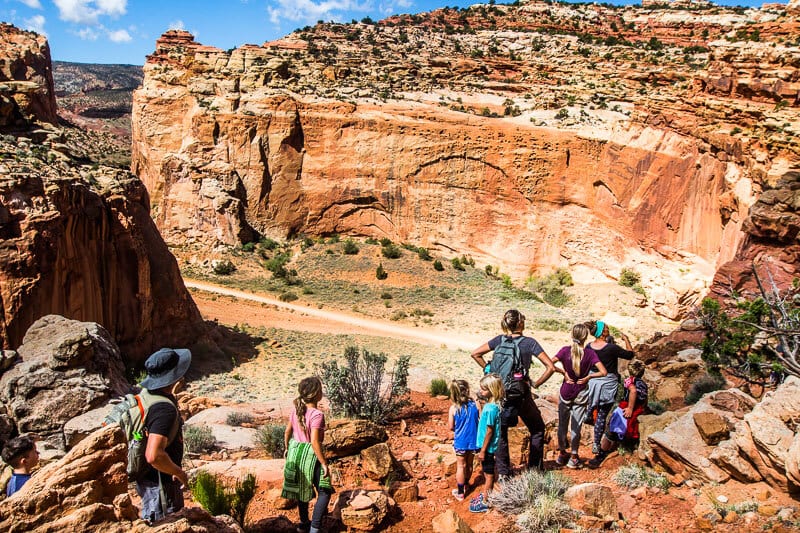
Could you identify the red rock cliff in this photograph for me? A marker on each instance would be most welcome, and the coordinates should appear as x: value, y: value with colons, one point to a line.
x: 315, y: 134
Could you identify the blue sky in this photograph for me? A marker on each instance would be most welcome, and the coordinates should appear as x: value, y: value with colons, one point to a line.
x: 122, y: 31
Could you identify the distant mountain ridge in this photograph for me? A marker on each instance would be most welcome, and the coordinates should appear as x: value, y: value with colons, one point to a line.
x: 74, y: 78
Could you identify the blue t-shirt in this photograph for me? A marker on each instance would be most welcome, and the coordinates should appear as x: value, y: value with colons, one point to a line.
x: 490, y: 416
x: 466, y: 427
x: 16, y: 482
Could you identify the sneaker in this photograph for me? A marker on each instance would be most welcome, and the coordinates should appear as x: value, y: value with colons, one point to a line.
x: 478, y: 498
x: 562, y: 458
x: 574, y: 462
x: 595, y: 448
x: 457, y: 496
x: 478, y: 506
x: 597, y: 460
x: 303, y: 527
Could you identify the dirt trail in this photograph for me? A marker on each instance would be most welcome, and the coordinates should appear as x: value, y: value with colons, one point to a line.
x: 333, y: 321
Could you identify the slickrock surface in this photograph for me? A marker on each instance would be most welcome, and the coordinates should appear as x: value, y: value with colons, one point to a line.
x: 530, y: 136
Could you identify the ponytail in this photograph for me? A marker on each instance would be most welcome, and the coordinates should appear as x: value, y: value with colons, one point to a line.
x: 579, y: 334
x: 309, y: 388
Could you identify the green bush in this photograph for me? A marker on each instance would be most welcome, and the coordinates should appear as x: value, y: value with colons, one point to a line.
x: 356, y: 389
x: 350, y: 247
x: 385, y: 242
x: 398, y: 315
x: 634, y: 476
x: 371, y: 240
x: 249, y: 247
x: 386, y: 295
x: 555, y: 296
x: 424, y: 254
x: 223, y: 267
x: 456, y: 262
x: 198, y: 439
x: 656, y: 407
x: 287, y: 296
x: 268, y: 244
x: 238, y: 418
x: 438, y: 387
x: 380, y: 272
x: 629, y: 277
x: 391, y: 251
x: 277, y: 265
x: 702, y: 386
x: 270, y: 439
x: 437, y: 265
x: 209, y: 490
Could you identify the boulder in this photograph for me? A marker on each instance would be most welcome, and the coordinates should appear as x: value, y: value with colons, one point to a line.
x: 349, y: 437
x: 363, y: 510
x: 66, y: 368
x: 377, y: 461
x: 592, y: 499
x: 76, y: 429
x: 713, y: 427
x: 404, y: 492
x: 793, y: 462
x: 450, y: 522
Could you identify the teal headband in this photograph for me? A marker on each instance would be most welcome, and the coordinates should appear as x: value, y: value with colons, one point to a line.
x: 600, y: 327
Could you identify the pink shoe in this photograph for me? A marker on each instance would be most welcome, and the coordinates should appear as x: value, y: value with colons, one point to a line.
x: 457, y: 496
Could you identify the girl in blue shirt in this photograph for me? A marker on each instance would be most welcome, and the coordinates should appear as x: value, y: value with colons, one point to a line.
x: 462, y: 420
x: 488, y: 437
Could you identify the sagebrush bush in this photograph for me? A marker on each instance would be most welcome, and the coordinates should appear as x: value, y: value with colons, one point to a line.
x: 437, y: 265
x: 381, y: 273
x: 391, y: 251
x: 350, y: 247
x: 270, y: 438
x: 456, y: 262
x: 198, y: 439
x: 357, y: 389
x: 656, y: 407
x: 287, y: 296
x: 237, y: 418
x: 634, y: 476
x: 438, y: 387
x: 223, y: 267
x: 702, y: 386
x: 209, y: 490
x: 537, y: 497
x: 629, y: 277
x: 424, y: 254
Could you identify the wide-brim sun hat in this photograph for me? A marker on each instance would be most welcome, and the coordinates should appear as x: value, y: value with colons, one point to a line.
x: 165, y: 367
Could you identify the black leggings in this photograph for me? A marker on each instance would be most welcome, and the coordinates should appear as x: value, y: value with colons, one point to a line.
x: 600, y: 421
x: 321, y: 507
x: 526, y: 410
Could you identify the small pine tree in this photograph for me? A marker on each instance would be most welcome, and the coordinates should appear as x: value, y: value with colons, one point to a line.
x: 381, y: 273
x: 437, y: 265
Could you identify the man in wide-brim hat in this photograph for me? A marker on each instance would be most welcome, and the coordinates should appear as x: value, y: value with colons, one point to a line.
x: 160, y: 487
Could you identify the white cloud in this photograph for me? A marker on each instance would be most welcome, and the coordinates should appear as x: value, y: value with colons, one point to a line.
x: 36, y: 23
x: 89, y: 11
x: 88, y: 34
x: 310, y: 12
x: 120, y: 36
x: 176, y: 25
x: 33, y: 4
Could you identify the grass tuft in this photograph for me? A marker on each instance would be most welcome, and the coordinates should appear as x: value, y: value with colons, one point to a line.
x: 537, y: 498
x: 634, y: 476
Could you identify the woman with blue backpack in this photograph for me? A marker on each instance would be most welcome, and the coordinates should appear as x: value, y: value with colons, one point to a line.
x: 512, y: 358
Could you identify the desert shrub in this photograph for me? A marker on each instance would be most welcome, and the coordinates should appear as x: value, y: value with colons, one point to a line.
x: 356, y: 389
x: 237, y: 418
x: 333, y: 239
x: 223, y: 267
x: 563, y: 277
x: 738, y: 508
x: 277, y: 265
x: 287, y: 296
x: 467, y: 260
x: 629, y: 277
x: 249, y: 247
x: 437, y: 265
x: 702, y: 386
x: 385, y: 242
x: 552, y: 324
x: 419, y: 312
x: 268, y: 244
x: 307, y: 243
x: 491, y: 271
x: 398, y: 315
x: 633, y: 476
x: 555, y: 296
x: 386, y: 295
x: 380, y: 272
x: 438, y: 387
x: 270, y: 439
x: 656, y: 407
x: 537, y: 498
x: 391, y: 251
x: 424, y: 254
x: 456, y: 262
x: 350, y: 247
x: 198, y: 439
x: 371, y: 240
x: 209, y: 490
x: 506, y: 279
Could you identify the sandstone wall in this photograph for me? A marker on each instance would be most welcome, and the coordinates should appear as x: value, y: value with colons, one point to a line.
x: 26, y: 78
x: 226, y: 157
x: 90, y: 253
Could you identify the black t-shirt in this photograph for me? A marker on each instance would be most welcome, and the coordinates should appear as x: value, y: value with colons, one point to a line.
x: 610, y: 354
x: 528, y: 349
x: 159, y: 420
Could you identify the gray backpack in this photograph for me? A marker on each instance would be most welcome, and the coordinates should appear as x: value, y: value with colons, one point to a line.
x: 507, y: 363
x: 130, y: 413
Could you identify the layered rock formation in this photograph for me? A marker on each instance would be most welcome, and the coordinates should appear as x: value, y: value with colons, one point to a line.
x: 394, y: 130
x: 26, y: 79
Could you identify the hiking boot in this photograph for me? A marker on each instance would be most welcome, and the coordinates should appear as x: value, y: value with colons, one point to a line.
x: 574, y: 462
x: 562, y: 458
x: 597, y: 460
x: 458, y: 496
x: 478, y: 505
x: 303, y: 527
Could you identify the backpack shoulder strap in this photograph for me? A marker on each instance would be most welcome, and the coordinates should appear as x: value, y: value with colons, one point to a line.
x: 146, y: 400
